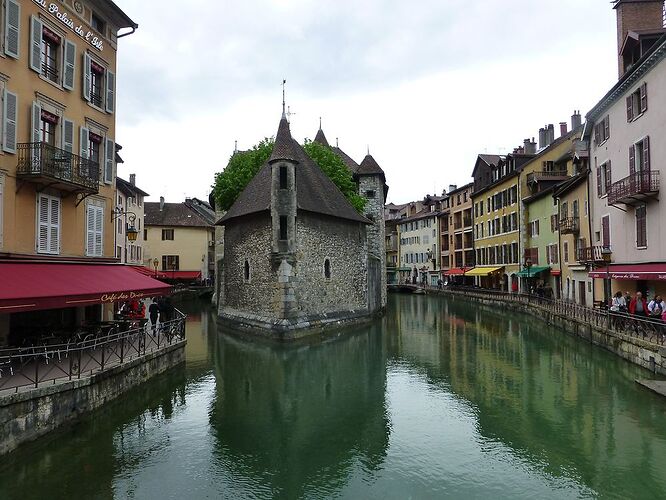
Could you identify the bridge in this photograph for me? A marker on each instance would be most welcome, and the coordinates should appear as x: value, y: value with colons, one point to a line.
x: 405, y: 288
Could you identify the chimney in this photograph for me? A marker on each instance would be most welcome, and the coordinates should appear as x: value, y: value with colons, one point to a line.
x: 529, y: 146
x: 452, y: 187
x: 550, y: 134
x: 161, y: 203
x: 635, y: 15
x: 133, y: 179
x: 563, y: 129
x: 542, y: 138
x: 575, y: 120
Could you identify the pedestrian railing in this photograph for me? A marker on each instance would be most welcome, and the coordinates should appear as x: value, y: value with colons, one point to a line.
x: 37, y: 365
x: 648, y: 329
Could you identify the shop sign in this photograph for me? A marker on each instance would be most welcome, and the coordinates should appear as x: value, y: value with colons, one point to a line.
x: 64, y: 18
x: 115, y: 297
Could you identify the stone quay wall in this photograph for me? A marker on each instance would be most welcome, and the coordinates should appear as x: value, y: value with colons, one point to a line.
x: 29, y: 414
x: 591, y: 327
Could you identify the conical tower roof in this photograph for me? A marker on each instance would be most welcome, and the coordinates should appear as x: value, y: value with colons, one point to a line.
x: 283, y: 149
x: 369, y: 167
x: 321, y: 138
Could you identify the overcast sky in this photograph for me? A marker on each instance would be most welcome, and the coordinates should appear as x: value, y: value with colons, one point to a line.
x: 426, y: 85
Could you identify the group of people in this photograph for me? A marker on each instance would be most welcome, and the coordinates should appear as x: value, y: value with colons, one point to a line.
x: 639, y: 306
x: 160, y: 308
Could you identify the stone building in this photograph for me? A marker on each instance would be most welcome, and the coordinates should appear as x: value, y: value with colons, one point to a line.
x: 297, y: 254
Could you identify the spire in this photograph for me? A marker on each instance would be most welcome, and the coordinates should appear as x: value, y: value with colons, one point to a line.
x: 321, y: 138
x: 284, y: 114
x: 369, y: 166
x: 283, y: 149
x: 320, y: 123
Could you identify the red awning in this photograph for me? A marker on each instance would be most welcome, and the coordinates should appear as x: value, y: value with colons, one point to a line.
x: 458, y: 271
x: 182, y: 275
x: 656, y: 272
x: 30, y: 286
x: 149, y: 272
x: 555, y: 272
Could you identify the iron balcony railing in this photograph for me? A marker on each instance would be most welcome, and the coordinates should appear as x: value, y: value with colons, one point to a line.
x: 52, y: 359
x: 546, y: 175
x: 634, y: 188
x: 38, y: 159
x: 50, y: 71
x: 591, y: 254
x: 569, y: 225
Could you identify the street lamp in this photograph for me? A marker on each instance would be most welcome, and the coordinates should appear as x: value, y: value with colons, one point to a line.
x: 606, y: 256
x: 528, y: 265
x: 155, y: 264
x: 130, y: 230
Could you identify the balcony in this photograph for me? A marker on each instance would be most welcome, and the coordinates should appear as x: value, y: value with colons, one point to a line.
x: 48, y: 166
x: 592, y: 255
x: 569, y: 225
x: 634, y: 188
x: 547, y: 175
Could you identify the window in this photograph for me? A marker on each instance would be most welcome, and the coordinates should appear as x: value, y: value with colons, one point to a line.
x: 170, y: 263
x: 167, y: 234
x: 327, y: 269
x: 370, y: 193
x: 565, y: 251
x: 97, y: 24
x: 283, y: 177
x: 94, y: 141
x: 119, y: 252
x: 641, y: 226
x: 96, y: 84
x: 47, y: 128
x: 50, y: 47
x: 48, y: 224
x: 639, y: 157
x: 246, y: 271
x: 533, y: 228
x: 603, y: 178
x: 283, y: 227
x: 602, y: 131
x: 637, y: 103
x: 145, y: 235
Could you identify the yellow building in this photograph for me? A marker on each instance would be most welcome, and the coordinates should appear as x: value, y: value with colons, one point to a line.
x: 180, y: 239
x: 496, y: 211
x: 57, y: 162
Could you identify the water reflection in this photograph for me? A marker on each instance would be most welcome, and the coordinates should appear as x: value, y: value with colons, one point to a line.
x: 298, y: 419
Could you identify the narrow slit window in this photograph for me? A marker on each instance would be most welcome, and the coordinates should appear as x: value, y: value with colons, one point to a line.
x: 327, y: 269
x: 283, y: 227
x: 246, y: 271
x: 283, y: 177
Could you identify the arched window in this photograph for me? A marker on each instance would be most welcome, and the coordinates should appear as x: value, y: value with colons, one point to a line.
x: 246, y: 271
x: 327, y: 269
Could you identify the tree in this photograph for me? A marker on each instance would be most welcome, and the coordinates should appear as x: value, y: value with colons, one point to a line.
x: 244, y: 165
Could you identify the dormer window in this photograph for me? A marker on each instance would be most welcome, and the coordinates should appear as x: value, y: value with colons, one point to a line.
x: 98, y: 24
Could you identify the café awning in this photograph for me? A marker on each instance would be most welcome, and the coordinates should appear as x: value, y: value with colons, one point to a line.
x: 31, y: 286
x: 655, y: 272
x: 457, y: 271
x: 532, y: 271
x: 483, y: 271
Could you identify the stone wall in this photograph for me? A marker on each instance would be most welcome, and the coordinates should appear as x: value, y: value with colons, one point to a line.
x: 374, y: 209
x: 27, y: 415
x: 248, y: 239
x: 344, y: 244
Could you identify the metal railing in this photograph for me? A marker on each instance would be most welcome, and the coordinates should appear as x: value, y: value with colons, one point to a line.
x: 37, y: 365
x: 545, y: 174
x: 41, y: 159
x: 590, y: 254
x: 648, y: 329
x: 50, y: 71
x: 569, y: 225
x: 633, y: 187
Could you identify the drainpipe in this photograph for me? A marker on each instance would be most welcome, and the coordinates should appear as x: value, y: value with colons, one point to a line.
x: 589, y: 218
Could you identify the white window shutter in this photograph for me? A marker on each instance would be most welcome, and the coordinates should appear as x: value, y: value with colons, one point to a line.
x: 1, y: 205
x: 12, y: 29
x: 36, y: 28
x: 54, y: 225
x: 36, y: 121
x: 109, y: 156
x: 69, y: 61
x: 110, y: 91
x: 42, y: 223
x: 9, y: 111
x: 87, y: 85
x: 90, y: 229
x: 68, y: 135
x: 99, y: 226
x: 84, y: 142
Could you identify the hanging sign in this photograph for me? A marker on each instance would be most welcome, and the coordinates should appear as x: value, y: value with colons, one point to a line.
x: 65, y: 19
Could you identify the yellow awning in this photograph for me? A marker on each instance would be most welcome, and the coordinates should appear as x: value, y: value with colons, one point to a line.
x: 483, y: 271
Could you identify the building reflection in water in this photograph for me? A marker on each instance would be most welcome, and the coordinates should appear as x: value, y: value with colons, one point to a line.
x: 298, y: 419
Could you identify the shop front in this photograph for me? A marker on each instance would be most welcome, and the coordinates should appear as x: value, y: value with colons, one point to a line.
x: 649, y: 279
x: 458, y: 276
x: 487, y: 277
x: 535, y: 279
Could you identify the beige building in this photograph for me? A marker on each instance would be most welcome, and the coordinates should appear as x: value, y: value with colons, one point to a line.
x: 129, y: 215
x: 180, y: 239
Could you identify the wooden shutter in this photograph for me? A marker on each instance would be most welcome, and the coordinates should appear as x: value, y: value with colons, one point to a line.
x: 630, y: 108
x: 565, y: 251
x: 36, y: 119
x: 87, y: 79
x: 84, y: 142
x: 605, y: 231
x: 36, y: 28
x: 109, y: 156
x: 641, y: 226
x: 537, y: 227
x: 12, y: 29
x: 68, y: 135
x: 608, y: 175
x: 94, y: 231
x: 643, y: 94
x: 54, y: 225
x: 599, y: 187
x: 597, y: 135
x: 69, y: 61
x: 9, y: 110
x: 110, y: 91
x: 606, y: 127
x: 48, y: 224
x: 646, y: 155
x: 90, y: 230
x: 632, y: 160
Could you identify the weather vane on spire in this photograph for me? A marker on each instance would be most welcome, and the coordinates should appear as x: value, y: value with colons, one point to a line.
x: 284, y: 83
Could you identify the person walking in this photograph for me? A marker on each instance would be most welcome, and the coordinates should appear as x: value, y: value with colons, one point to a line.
x: 657, y: 302
x: 638, y: 305
x: 153, y: 312
x: 617, y: 303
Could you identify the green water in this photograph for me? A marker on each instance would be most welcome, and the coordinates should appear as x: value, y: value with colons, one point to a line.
x: 440, y: 399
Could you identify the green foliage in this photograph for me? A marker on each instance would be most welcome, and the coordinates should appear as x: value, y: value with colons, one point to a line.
x: 333, y: 166
x: 243, y: 166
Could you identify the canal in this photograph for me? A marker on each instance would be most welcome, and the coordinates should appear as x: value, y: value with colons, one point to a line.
x: 440, y: 398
